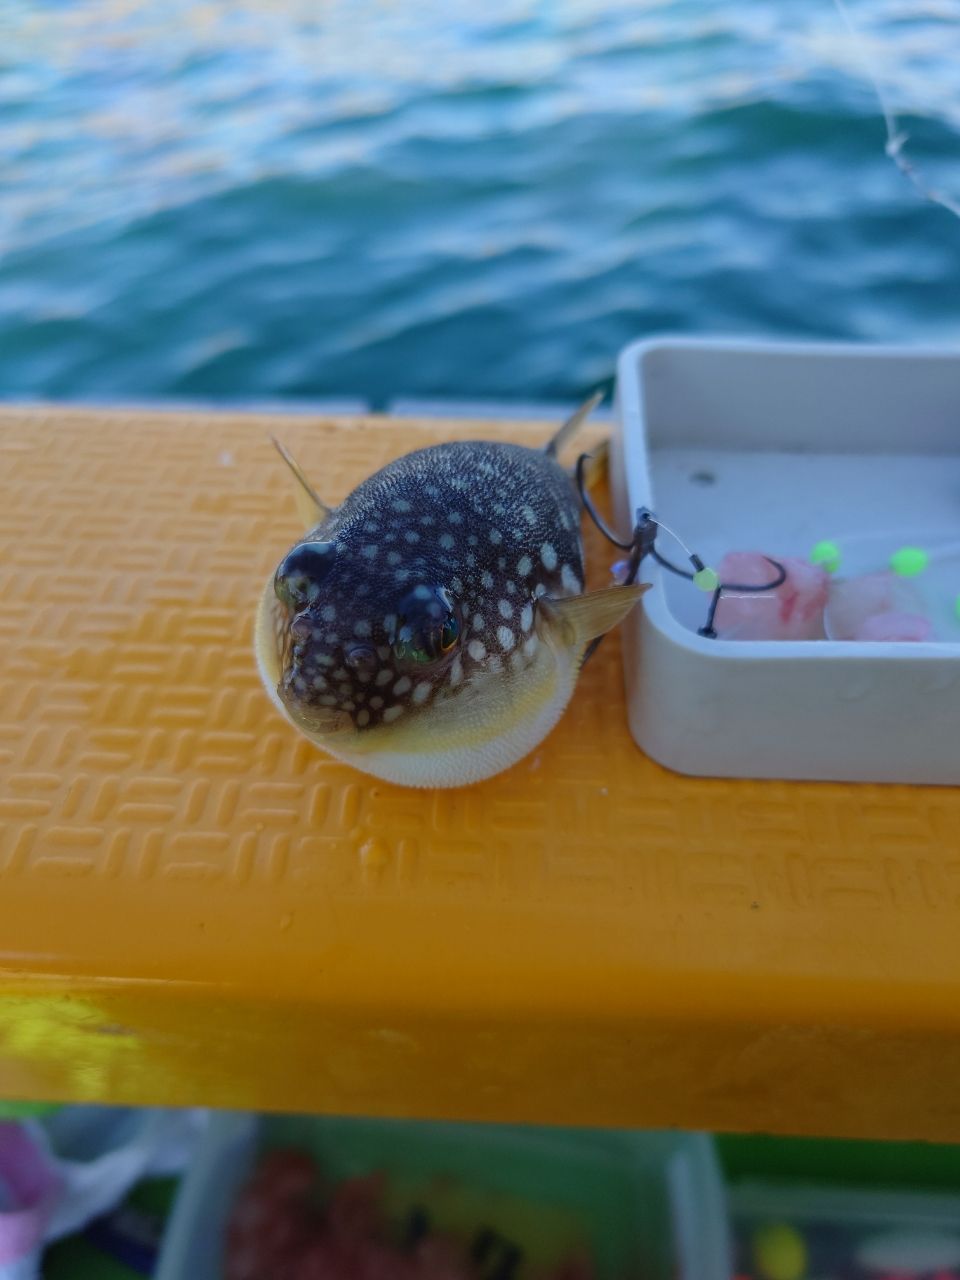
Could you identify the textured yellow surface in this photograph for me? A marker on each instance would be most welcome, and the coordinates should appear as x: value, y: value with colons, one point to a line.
x: 198, y: 907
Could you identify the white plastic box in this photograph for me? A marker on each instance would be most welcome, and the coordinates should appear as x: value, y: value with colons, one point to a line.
x: 766, y: 447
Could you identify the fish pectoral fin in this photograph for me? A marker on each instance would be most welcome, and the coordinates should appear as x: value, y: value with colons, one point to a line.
x: 310, y: 508
x: 572, y: 425
x: 580, y: 619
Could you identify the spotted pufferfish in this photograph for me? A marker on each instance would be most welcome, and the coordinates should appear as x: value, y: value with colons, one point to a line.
x: 430, y: 629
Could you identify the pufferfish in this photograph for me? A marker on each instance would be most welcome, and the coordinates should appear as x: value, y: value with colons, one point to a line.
x: 430, y: 629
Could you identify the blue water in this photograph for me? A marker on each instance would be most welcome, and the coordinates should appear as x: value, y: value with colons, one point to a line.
x: 240, y: 200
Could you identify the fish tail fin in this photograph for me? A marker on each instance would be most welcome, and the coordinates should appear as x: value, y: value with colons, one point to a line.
x: 572, y: 425
x: 310, y: 507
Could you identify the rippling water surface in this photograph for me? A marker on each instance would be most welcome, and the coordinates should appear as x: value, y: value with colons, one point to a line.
x: 241, y: 200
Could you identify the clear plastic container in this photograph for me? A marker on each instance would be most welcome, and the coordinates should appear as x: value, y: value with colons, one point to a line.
x: 833, y: 1233
x: 647, y: 1206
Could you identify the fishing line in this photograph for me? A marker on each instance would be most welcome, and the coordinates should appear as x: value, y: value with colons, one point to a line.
x: 896, y: 137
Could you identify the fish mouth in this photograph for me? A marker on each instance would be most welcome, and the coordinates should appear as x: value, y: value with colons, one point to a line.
x: 316, y: 721
x: 276, y: 665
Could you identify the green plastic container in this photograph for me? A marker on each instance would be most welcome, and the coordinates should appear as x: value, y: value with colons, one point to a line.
x: 645, y: 1206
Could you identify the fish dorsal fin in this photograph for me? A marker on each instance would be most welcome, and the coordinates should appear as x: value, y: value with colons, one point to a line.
x: 580, y: 619
x: 573, y: 425
x: 310, y: 508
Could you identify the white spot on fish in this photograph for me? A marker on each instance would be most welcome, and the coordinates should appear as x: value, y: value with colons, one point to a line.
x: 539, y: 590
x: 319, y: 682
x: 393, y: 558
x: 411, y: 535
x: 361, y: 628
x: 363, y: 719
x: 422, y: 692
x: 569, y: 579
x: 376, y: 702
x: 390, y: 623
x: 506, y: 637
x: 472, y: 540
x: 344, y: 690
x: 422, y: 592
x: 383, y: 677
x: 487, y: 579
x: 477, y: 650
x: 529, y: 515
x: 530, y: 645
x: 511, y: 588
x: 391, y: 714
x: 506, y: 608
x: 402, y: 686
x: 401, y: 506
x: 427, y: 520
x: 548, y: 556
x: 369, y: 551
x: 455, y: 517
x: 328, y: 612
x: 446, y: 541
x: 478, y: 622
x: 494, y: 664
x: 456, y: 672
x: 371, y: 526
x: 331, y: 638
x: 327, y: 700
x: 457, y: 585
x: 348, y: 706
x: 341, y: 673
x: 496, y: 536
x: 526, y: 617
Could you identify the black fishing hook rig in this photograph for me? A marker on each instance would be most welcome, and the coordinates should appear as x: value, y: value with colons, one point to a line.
x: 643, y: 543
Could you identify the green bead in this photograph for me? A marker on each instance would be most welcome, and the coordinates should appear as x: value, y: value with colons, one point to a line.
x: 826, y: 553
x: 780, y: 1252
x: 706, y: 579
x: 909, y: 561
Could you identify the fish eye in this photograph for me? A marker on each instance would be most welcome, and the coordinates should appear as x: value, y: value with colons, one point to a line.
x: 428, y: 629
x: 301, y: 573
x: 449, y: 633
